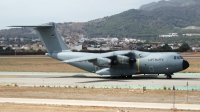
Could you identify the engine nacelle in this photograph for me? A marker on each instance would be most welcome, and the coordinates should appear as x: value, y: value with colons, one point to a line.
x: 123, y: 59
x: 103, y: 62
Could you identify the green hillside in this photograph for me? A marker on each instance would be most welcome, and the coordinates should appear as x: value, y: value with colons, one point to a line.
x: 146, y: 23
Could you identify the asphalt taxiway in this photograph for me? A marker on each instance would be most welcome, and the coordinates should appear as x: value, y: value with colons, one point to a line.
x: 100, y: 103
x: 88, y: 79
x: 179, y: 80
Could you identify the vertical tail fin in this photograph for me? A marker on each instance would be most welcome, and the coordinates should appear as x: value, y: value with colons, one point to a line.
x: 49, y: 37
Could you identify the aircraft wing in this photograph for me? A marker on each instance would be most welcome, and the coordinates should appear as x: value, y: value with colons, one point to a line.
x: 95, y: 56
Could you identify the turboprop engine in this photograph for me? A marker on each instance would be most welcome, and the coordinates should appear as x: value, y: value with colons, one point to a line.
x: 125, y: 59
x: 102, y: 62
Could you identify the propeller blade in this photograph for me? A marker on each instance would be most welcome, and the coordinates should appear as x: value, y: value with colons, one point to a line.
x: 132, y: 59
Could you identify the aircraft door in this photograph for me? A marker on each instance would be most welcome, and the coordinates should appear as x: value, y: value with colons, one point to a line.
x: 151, y: 68
x: 169, y: 67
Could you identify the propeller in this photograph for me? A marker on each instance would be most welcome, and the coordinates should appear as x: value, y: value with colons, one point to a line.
x: 114, y: 61
x: 119, y: 59
x: 132, y: 59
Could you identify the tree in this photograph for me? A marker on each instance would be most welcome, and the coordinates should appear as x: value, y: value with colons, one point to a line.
x: 8, y: 49
x: 39, y: 50
x: 184, y: 47
x: 139, y: 43
x: 166, y: 47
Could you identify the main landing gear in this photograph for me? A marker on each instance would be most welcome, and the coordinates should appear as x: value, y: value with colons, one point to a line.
x: 168, y: 76
x: 129, y: 76
x: 121, y: 77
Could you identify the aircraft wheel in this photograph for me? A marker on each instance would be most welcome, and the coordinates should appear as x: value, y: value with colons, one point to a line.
x: 113, y: 77
x: 130, y: 76
x: 169, y: 76
x: 123, y: 77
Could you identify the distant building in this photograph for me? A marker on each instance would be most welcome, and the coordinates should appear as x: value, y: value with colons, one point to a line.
x: 1, y: 42
x: 67, y: 39
x: 117, y: 47
x: 169, y: 35
x: 26, y: 47
x: 133, y: 47
x: 98, y: 48
x: 17, y: 39
x: 191, y: 34
x: 174, y: 47
x: 21, y: 39
x: 38, y: 46
x: 4, y: 38
x: 196, y: 48
x: 81, y: 40
x: 77, y: 47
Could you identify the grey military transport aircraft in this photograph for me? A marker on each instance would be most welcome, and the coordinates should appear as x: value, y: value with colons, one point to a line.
x: 111, y: 64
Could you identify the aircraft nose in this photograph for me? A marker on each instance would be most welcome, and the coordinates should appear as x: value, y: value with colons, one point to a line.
x: 185, y: 64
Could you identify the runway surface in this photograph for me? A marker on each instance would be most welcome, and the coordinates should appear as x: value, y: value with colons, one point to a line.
x: 92, y: 80
x: 25, y: 57
x: 44, y: 56
x: 100, y: 103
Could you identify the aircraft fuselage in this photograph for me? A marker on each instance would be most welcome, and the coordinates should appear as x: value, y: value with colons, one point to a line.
x: 146, y: 63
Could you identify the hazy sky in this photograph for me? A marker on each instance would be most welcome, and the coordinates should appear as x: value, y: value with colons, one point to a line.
x: 34, y: 12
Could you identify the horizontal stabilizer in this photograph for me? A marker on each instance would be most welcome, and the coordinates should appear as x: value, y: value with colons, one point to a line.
x: 46, y: 25
x: 35, y: 26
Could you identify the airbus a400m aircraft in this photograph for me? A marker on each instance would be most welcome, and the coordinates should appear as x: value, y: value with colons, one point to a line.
x: 111, y: 64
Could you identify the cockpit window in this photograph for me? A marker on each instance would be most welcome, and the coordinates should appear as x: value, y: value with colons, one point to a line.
x: 174, y: 57
x: 178, y: 57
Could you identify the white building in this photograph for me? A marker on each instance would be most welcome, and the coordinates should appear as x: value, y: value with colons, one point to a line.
x: 196, y: 48
x: 169, y: 35
x: 174, y: 47
x: 100, y: 48
x: 191, y: 34
x: 21, y: 39
x: 77, y: 47
x: 81, y: 40
x: 114, y: 39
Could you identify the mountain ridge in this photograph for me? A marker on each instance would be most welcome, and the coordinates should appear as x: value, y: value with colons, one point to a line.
x: 169, y: 3
x: 133, y: 22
